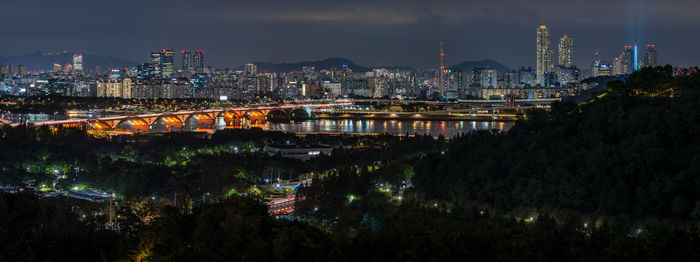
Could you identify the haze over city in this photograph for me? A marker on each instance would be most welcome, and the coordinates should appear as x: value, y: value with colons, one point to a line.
x: 370, y: 33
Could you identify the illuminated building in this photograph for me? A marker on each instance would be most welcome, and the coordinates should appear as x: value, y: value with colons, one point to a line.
x: 650, y: 56
x: 57, y: 67
x: 618, y: 65
x: 67, y: 68
x: 115, y: 88
x: 251, y: 69
x: 624, y: 64
x: 199, y: 81
x: 333, y: 88
x: 198, y: 61
x: 596, y: 65
x: 154, y: 66
x: 604, y: 70
x: 297, y: 151
x: 186, y: 61
x: 78, y: 62
x: 6, y: 70
x: 167, y: 65
x: 21, y: 70
x: 484, y: 78
x: 455, y: 85
x: 544, y: 54
x: 566, y: 45
x: 510, y: 80
x: 527, y: 77
x: 567, y: 75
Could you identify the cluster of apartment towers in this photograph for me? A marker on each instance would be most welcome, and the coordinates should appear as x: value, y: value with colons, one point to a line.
x: 626, y: 63
x: 162, y: 64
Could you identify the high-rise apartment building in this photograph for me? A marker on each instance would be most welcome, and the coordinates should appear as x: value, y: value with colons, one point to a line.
x: 78, y: 62
x: 154, y: 66
x: 251, y: 69
x: 457, y: 86
x: 566, y: 46
x: 167, y: 64
x: 628, y: 60
x: 21, y: 70
x: 186, y: 61
x: 509, y: 80
x: 527, y: 77
x: 650, y: 56
x: 544, y: 54
x: 198, y: 61
x: 6, y: 70
x: 596, y: 65
x: 484, y: 78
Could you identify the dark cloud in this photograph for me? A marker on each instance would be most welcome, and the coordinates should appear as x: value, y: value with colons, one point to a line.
x: 369, y: 32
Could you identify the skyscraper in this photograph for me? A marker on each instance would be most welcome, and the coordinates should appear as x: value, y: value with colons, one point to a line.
x: 442, y: 69
x: 566, y: 46
x: 186, y: 61
x: 628, y: 60
x: 650, y: 56
x: 167, y: 63
x: 78, y: 62
x: 596, y: 65
x: 544, y: 54
x: 198, y: 61
x: 154, y: 65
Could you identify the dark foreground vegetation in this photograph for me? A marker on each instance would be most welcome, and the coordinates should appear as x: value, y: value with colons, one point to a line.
x: 617, y: 178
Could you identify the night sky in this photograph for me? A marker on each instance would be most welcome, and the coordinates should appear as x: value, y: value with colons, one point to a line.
x: 395, y: 32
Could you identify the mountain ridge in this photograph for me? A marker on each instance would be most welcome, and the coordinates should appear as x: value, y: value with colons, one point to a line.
x: 337, y: 62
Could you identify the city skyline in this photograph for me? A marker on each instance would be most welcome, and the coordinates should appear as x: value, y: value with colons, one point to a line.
x: 372, y: 35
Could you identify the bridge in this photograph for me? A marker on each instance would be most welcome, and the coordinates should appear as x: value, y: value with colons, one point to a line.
x: 193, y: 120
x: 212, y: 119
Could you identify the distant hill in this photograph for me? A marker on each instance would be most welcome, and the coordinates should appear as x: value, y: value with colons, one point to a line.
x: 469, y: 65
x: 38, y: 61
x: 327, y: 63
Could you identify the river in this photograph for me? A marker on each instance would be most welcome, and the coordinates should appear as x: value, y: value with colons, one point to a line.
x: 366, y: 126
x: 329, y: 126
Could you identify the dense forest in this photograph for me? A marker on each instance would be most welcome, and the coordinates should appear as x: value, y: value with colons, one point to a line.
x: 614, y: 178
x: 634, y: 150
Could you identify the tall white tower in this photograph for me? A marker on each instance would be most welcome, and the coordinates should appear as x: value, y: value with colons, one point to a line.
x: 544, y: 54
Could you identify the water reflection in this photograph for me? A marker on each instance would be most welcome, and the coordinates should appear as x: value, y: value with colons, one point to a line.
x: 40, y: 117
x: 434, y: 128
